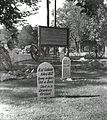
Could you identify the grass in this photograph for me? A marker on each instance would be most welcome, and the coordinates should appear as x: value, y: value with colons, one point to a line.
x: 73, y: 101
x: 84, y: 98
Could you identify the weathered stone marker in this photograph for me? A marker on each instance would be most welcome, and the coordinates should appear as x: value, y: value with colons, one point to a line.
x: 66, y: 68
x: 45, y: 80
x: 105, y: 51
x: 61, y: 55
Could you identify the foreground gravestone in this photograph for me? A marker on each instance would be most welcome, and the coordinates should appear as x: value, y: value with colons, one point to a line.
x: 45, y: 80
x: 66, y: 68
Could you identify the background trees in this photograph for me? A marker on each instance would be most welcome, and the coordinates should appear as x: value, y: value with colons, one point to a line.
x: 69, y: 16
x: 27, y: 36
x: 90, y: 7
x: 9, y: 37
x: 11, y: 14
x: 86, y: 19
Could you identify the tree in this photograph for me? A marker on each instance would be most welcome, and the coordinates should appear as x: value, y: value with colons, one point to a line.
x: 27, y: 36
x: 9, y: 37
x: 69, y: 16
x: 91, y: 7
x: 11, y: 14
x: 5, y: 61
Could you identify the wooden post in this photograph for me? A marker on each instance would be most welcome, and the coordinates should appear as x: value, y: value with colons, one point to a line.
x: 47, y: 13
x: 55, y: 13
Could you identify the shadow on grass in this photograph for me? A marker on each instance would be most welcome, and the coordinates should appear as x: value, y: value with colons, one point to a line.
x: 89, y: 74
x: 79, y: 83
x: 19, y: 83
x: 77, y: 96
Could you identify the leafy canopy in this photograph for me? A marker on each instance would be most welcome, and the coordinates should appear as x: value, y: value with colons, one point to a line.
x: 69, y: 16
x: 90, y: 7
x: 11, y: 14
x: 27, y: 36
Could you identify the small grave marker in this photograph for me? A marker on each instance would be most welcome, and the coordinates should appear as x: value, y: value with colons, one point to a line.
x: 45, y: 80
x: 61, y: 55
x: 105, y: 51
x: 66, y: 68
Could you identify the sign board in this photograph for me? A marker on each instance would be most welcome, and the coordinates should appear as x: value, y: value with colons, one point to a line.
x: 53, y: 36
x: 45, y: 80
x: 66, y: 68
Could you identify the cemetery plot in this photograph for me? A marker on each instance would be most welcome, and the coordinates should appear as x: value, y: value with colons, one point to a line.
x: 45, y: 80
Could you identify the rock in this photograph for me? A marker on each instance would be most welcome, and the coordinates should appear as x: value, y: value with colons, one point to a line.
x: 83, y: 59
x: 32, y: 75
x: 18, y: 73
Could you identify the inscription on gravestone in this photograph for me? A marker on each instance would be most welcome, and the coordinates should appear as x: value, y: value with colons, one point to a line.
x: 66, y: 68
x: 45, y: 80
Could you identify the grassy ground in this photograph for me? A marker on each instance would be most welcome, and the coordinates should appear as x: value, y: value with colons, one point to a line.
x: 77, y: 100
x: 84, y: 98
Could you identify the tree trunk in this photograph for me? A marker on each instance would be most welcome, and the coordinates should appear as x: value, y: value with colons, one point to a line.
x: 5, y: 60
x: 77, y: 46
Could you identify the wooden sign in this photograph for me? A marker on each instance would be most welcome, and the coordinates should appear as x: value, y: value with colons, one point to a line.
x: 45, y: 80
x: 66, y: 68
x: 53, y: 36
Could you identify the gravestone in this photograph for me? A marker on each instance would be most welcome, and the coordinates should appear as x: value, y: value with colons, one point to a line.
x: 45, y: 80
x: 66, y: 68
x: 106, y: 51
x: 61, y: 55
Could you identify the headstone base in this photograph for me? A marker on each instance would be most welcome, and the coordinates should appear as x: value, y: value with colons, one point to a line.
x: 66, y: 79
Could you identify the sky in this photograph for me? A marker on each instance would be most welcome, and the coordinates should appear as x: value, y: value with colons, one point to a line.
x: 41, y: 17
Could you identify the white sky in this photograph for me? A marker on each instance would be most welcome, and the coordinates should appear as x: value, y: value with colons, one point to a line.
x: 41, y: 17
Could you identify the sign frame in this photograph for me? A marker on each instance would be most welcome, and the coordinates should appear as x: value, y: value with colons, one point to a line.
x: 40, y: 45
x: 42, y: 41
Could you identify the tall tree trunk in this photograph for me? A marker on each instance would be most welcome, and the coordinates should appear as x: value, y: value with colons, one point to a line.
x: 77, y: 46
x: 5, y: 60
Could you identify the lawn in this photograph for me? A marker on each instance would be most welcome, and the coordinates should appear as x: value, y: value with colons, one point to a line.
x: 74, y: 100
x: 84, y: 98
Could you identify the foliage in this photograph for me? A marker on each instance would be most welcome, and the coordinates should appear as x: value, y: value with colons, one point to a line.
x: 27, y: 36
x: 69, y: 16
x: 90, y: 7
x: 96, y: 11
x: 82, y: 27
x: 8, y: 37
x: 10, y: 12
